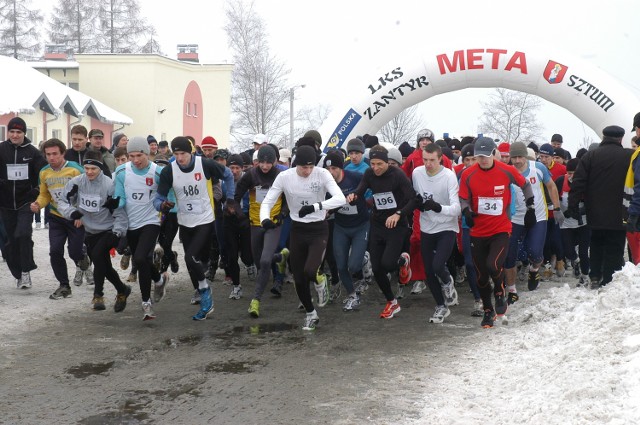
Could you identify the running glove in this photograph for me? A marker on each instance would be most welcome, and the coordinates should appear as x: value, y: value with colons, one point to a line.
x: 72, y: 192
x: 268, y: 224
x: 468, y: 217
x: 76, y: 215
x: 306, y: 209
x: 530, y: 219
x: 112, y: 203
x: 166, y: 206
x: 431, y: 205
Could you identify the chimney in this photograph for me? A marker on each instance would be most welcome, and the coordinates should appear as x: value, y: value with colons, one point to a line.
x: 188, y: 53
x: 57, y: 52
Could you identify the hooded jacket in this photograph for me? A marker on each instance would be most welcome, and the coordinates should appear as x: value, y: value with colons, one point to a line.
x: 16, y: 193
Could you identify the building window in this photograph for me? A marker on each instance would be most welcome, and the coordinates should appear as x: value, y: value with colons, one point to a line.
x: 195, y: 110
x: 75, y: 86
x: 187, y: 110
x: 56, y: 134
x: 3, y: 133
x: 31, y: 135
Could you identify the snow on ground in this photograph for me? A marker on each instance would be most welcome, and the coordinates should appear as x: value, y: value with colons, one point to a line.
x: 567, y: 356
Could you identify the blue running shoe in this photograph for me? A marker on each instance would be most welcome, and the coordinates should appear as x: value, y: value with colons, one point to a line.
x: 206, y: 304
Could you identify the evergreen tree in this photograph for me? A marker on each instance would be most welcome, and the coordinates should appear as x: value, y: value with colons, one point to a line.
x: 123, y: 29
x: 73, y: 24
x: 19, y: 24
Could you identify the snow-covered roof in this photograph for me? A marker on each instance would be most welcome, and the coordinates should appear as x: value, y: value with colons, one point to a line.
x: 24, y: 89
x: 53, y: 64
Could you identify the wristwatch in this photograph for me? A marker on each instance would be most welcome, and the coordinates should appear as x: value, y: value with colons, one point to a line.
x: 399, y: 212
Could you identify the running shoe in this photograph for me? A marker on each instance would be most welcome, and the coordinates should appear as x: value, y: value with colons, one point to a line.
x: 206, y: 304
x: 77, y: 279
x: 512, y: 297
x: 501, y: 303
x: 277, y: 288
x: 133, y: 277
x: 390, y: 310
x: 311, y: 321
x: 322, y: 289
x: 361, y: 286
x: 282, y: 264
x: 147, y: 311
x: 252, y: 271
x: 61, y: 292
x: 450, y: 294
x: 418, y: 287
x: 254, y: 308
x: 158, y: 252
x: 175, y: 266
x: 121, y: 300
x: 404, y: 273
x: 352, y: 302
x: 584, y: 281
x: 546, y: 273
x: 25, y: 280
x: 196, y: 298
x: 560, y: 270
x: 84, y: 263
x: 488, y: 319
x: 98, y: 303
x: 478, y: 310
x: 461, y: 275
x: 88, y: 277
x: 227, y: 281
x: 160, y: 288
x: 441, y: 312
x: 335, y: 291
x: 400, y: 291
x: 534, y: 280
x: 575, y: 265
x: 236, y: 292
x: 125, y: 261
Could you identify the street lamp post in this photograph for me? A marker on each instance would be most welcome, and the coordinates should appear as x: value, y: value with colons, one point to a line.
x: 291, y: 98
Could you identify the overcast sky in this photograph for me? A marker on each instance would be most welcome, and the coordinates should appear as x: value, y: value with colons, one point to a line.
x: 328, y: 44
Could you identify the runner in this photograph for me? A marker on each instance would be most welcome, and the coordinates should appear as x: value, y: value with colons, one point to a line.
x: 20, y: 165
x: 485, y: 197
x: 168, y: 227
x: 532, y: 237
x: 135, y: 185
x: 88, y: 200
x: 393, y: 198
x: 437, y: 199
x: 191, y: 179
x: 350, y: 230
x: 305, y: 188
x: 53, y: 179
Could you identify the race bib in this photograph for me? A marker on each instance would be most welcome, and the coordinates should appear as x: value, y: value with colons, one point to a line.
x: 260, y: 194
x: 141, y: 197
x: 56, y: 195
x: 385, y: 201
x: 348, y: 209
x: 89, y: 203
x: 490, y: 206
x: 17, y: 171
x: 191, y: 206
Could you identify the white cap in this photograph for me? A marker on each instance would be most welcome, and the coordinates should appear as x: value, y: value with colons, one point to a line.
x: 285, y: 155
x: 260, y: 139
x: 255, y: 155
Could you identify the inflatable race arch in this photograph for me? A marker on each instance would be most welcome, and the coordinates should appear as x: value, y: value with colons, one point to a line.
x: 589, y: 93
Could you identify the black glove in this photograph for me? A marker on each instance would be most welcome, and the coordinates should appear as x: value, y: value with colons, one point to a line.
x: 632, y: 223
x: 530, y: 219
x: 529, y: 202
x: 419, y: 202
x: 572, y: 212
x: 468, y: 217
x: 122, y: 246
x: 306, y: 209
x: 76, y: 215
x: 166, y: 206
x: 111, y: 203
x: 268, y: 224
x: 431, y: 205
x: 72, y: 192
x: 114, y: 240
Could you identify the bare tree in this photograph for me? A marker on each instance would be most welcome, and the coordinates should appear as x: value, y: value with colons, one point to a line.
x: 511, y: 116
x: 151, y: 45
x: 259, y: 92
x: 72, y: 24
x: 311, y: 118
x: 121, y: 27
x: 19, y: 29
x: 403, y: 127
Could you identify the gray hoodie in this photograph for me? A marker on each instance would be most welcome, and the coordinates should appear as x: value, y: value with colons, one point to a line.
x: 96, y: 218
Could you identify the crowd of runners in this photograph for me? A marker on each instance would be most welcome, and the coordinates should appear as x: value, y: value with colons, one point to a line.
x: 432, y: 215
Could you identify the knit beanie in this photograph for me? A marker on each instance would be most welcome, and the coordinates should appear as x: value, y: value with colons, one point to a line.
x: 138, y: 144
x: 315, y: 136
x: 405, y: 149
x: 334, y: 158
x: 151, y: 139
x: 235, y: 159
x: 116, y: 139
x: 267, y: 154
x: 355, y: 145
x: 371, y: 141
x: 181, y: 144
x: 518, y: 149
x: 395, y: 154
x: 17, y: 123
x: 305, y: 155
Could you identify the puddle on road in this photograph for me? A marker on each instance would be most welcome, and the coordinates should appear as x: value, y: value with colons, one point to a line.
x: 233, y: 366
x: 88, y: 369
x: 115, y: 418
x: 242, y: 336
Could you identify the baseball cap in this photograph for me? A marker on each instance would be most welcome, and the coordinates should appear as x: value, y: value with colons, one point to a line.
x: 484, y: 146
x: 96, y: 132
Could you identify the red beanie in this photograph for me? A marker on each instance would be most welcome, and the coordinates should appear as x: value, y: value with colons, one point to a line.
x: 209, y: 142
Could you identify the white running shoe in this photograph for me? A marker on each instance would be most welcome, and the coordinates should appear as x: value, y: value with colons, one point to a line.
x: 252, y: 271
x: 311, y: 321
x: 88, y: 276
x: 439, y: 315
x: 160, y: 288
x: 236, y: 293
x: 352, y: 302
x: 322, y: 290
x: 77, y: 279
x: 450, y: 294
x: 367, y: 271
x: 25, y: 280
x: 478, y: 309
x: 147, y: 311
x: 418, y: 287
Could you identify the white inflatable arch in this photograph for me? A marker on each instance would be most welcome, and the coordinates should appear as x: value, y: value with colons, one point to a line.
x: 589, y: 93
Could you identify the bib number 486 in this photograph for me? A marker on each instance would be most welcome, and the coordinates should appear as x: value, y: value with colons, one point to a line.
x: 191, y: 190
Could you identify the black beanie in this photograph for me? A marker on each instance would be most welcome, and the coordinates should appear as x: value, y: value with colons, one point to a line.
x: 267, y: 154
x: 371, y: 141
x: 572, y: 164
x: 151, y: 139
x: 405, y: 149
x: 276, y: 150
x: 305, y: 155
x: 334, y: 158
x: 181, y: 144
x: 17, y: 123
x: 306, y: 141
x: 235, y: 159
